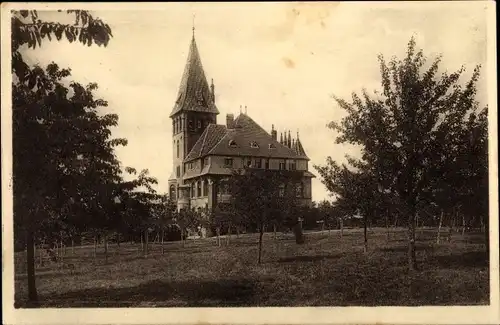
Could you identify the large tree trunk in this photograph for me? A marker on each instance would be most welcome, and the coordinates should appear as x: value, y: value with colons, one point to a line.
x: 30, y: 265
x: 439, y: 227
x: 261, y: 234
x: 412, y: 258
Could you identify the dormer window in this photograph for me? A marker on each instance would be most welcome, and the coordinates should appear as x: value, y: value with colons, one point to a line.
x: 254, y: 144
x: 232, y: 144
x: 272, y: 146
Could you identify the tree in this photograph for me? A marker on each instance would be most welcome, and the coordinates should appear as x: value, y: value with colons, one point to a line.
x: 355, y: 190
x: 262, y: 197
x: 35, y: 131
x: 409, y: 133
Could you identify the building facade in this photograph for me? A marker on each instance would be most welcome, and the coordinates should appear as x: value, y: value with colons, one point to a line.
x: 205, y: 153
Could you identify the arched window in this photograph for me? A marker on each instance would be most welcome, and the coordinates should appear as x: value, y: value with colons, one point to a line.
x: 173, y: 195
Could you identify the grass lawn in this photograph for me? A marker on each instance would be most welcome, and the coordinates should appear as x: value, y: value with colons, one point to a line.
x: 325, y: 271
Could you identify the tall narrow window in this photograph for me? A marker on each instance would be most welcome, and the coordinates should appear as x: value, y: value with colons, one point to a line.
x: 172, y: 192
x: 177, y: 148
x: 299, y: 190
x: 199, y: 189
x: 178, y: 171
x: 293, y: 165
x: 282, y: 165
x: 282, y: 190
x: 205, y: 188
x: 266, y: 164
x: 258, y: 162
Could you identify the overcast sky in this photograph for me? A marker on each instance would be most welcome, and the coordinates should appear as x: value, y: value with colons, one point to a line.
x: 282, y: 60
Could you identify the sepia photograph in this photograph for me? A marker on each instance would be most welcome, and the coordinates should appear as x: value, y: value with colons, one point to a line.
x: 219, y: 155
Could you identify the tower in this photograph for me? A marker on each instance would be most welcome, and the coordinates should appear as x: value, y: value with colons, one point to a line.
x: 193, y: 111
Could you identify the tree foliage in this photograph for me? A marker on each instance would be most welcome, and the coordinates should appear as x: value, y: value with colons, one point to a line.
x: 422, y: 139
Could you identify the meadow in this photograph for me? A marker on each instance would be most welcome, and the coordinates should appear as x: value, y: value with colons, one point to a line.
x: 328, y: 270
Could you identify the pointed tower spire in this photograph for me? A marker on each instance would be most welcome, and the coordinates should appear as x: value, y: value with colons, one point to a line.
x: 194, y: 92
x: 193, y: 25
x: 285, y: 140
x: 300, y: 150
x: 289, y: 139
x: 212, y: 90
x: 281, y: 137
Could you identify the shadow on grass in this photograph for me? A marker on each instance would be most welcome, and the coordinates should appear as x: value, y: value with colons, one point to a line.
x: 461, y: 261
x: 308, y: 258
x: 195, y: 293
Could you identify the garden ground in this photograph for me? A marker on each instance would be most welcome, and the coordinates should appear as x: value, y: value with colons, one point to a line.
x: 328, y: 270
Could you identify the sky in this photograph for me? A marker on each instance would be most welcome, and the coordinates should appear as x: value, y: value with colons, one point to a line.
x: 284, y: 61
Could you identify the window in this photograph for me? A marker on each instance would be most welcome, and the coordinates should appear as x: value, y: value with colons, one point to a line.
x: 282, y: 190
x: 191, y: 188
x: 205, y: 188
x: 205, y: 162
x: 199, y: 124
x: 258, y: 162
x: 299, y: 190
x: 282, y: 165
x: 178, y: 171
x: 272, y: 146
x: 293, y: 165
x: 228, y: 162
x: 198, y: 184
x: 177, y: 148
x: 191, y: 126
x: 172, y: 192
x: 267, y: 164
x: 248, y: 162
x: 232, y: 144
x: 254, y: 144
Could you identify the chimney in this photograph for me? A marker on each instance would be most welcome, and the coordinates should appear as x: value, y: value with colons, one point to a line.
x: 274, y: 134
x: 230, y: 121
x: 212, y: 89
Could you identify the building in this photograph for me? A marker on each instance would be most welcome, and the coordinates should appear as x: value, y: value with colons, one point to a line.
x: 205, y: 153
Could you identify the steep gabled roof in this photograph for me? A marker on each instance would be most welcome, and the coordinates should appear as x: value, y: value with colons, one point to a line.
x: 194, y: 92
x: 246, y: 138
x: 208, y: 139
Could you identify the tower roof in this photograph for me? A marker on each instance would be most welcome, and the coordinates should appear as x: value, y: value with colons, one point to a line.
x: 194, y: 92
